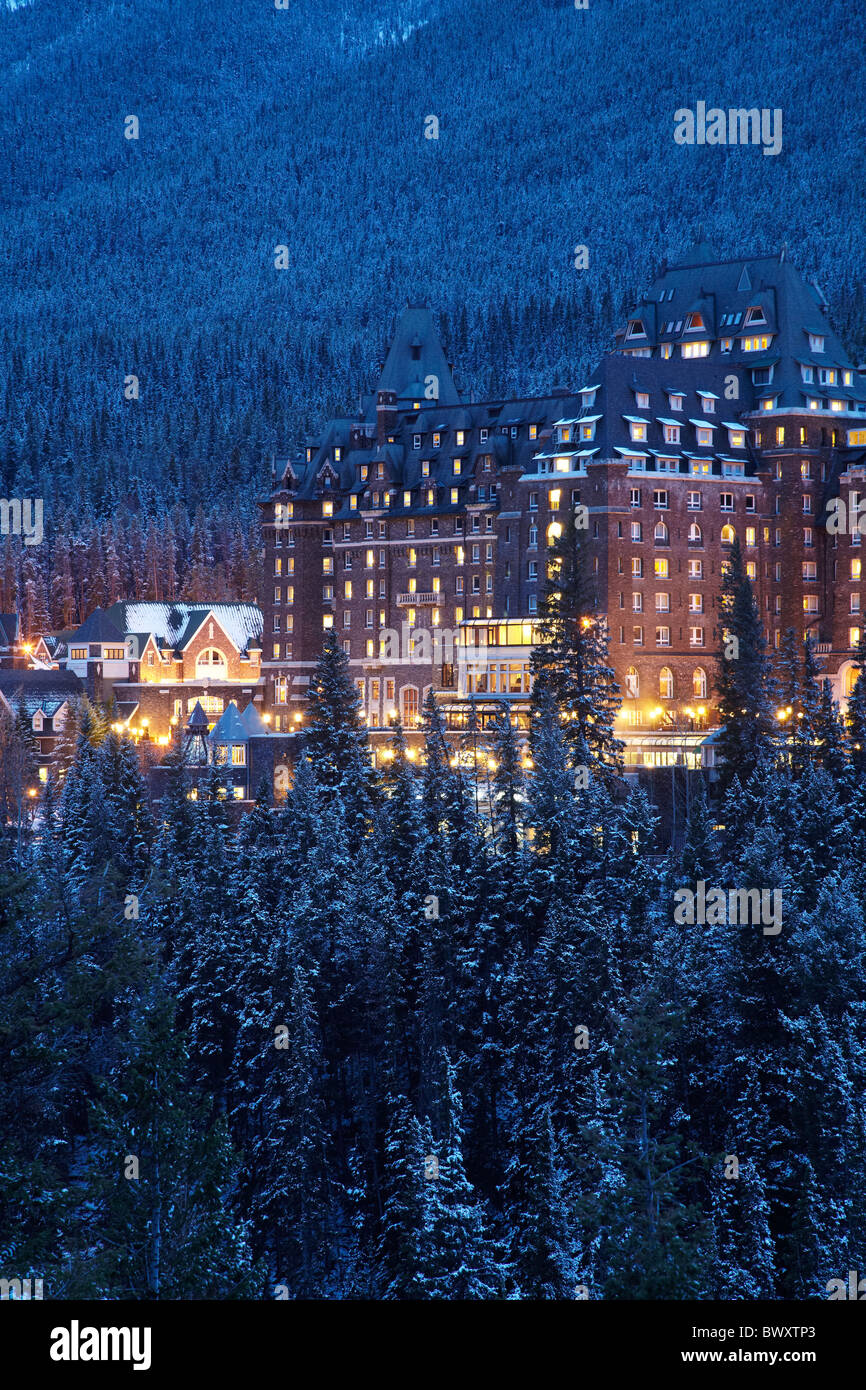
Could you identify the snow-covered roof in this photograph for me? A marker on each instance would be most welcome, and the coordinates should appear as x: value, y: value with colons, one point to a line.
x: 170, y: 622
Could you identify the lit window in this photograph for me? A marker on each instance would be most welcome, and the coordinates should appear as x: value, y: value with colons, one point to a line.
x: 661, y: 568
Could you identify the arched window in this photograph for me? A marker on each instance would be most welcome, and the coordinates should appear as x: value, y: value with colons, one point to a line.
x: 211, y: 663
x: 409, y: 703
x: 699, y: 683
x: 661, y: 534
x: 632, y: 683
x: 695, y: 534
x: 554, y: 531
x: 849, y: 680
x: 666, y: 683
x: 728, y: 534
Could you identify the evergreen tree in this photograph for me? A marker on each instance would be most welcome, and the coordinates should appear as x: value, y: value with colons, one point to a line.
x: 743, y: 675
x: 571, y: 657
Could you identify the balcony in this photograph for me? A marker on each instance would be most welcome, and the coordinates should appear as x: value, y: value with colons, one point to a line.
x: 425, y: 600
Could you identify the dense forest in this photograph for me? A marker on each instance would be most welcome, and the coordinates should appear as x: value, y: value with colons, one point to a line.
x: 257, y: 127
x: 438, y: 1031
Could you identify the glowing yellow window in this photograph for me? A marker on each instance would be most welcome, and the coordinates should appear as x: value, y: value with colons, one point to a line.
x: 413, y: 558
x: 327, y: 509
x: 455, y: 496
x: 750, y: 535
x: 407, y: 499
x: 371, y: 559
x: 436, y: 584
x: 413, y: 585
x: 553, y: 498
x: 347, y: 589
x: 661, y: 568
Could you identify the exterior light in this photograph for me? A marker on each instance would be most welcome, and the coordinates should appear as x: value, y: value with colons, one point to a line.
x: 266, y: 718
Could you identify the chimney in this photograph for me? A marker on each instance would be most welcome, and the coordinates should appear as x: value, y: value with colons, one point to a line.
x: 386, y: 415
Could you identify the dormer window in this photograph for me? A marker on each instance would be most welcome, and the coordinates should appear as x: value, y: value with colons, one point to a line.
x: 672, y: 434
x: 380, y: 470
x: 636, y: 329
x: 848, y: 380
x: 696, y: 349
x: 695, y: 323
x: 38, y: 722
x: 642, y: 400
x: 676, y: 402
x: 483, y: 436
x: 737, y: 439
x: 338, y: 453
x: 708, y: 403
x: 327, y: 510
x: 309, y: 456
x: 755, y: 314
x: 565, y: 434
x: 436, y: 438
x: 416, y: 441
x: 407, y: 499
x: 533, y: 432
x: 458, y: 467
x: 705, y: 438
x: 807, y: 374
x: 425, y: 468
x: 588, y: 431
x: 827, y: 376
x: 365, y: 472
x: 816, y: 342
x: 759, y: 343
x: 460, y: 438
x: 727, y: 344
x: 638, y: 430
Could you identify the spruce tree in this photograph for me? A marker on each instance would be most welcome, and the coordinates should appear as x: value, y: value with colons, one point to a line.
x: 571, y: 657
x: 743, y: 676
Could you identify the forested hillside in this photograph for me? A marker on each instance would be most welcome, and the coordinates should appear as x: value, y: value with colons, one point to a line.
x: 154, y: 257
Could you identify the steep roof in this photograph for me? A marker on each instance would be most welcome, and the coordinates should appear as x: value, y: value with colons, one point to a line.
x: 34, y: 690
x: 415, y: 355
x: 723, y: 292
x: 100, y: 626
x: 253, y: 722
x: 198, y: 720
x: 10, y: 629
x: 174, y: 624
x: 229, y: 728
